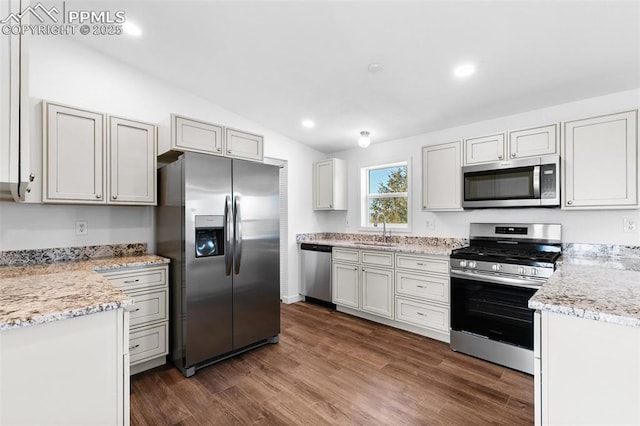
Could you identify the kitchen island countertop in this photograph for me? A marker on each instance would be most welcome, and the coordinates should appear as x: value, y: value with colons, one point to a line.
x: 602, y: 289
x: 40, y: 293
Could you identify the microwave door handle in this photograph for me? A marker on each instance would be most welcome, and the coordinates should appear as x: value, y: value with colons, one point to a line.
x: 228, y: 235
x: 536, y: 182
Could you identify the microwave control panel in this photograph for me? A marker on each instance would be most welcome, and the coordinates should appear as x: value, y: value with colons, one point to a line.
x: 548, y: 181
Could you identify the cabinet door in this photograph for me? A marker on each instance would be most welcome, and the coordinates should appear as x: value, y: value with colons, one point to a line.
x: 600, y: 162
x: 73, y: 163
x: 346, y: 286
x: 484, y: 149
x: 133, y: 162
x: 533, y: 142
x: 441, y: 182
x: 323, y: 185
x: 196, y: 136
x: 377, y: 291
x: 243, y: 145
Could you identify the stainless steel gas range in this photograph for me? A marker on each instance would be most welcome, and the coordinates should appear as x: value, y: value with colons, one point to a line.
x: 492, y: 281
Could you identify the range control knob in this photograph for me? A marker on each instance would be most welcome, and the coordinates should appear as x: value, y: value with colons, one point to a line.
x: 463, y: 263
x: 522, y: 270
x: 534, y: 271
x: 472, y: 265
x: 495, y: 267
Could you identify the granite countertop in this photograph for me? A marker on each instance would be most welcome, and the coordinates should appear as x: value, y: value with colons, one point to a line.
x: 40, y: 293
x: 602, y: 289
x: 433, y: 246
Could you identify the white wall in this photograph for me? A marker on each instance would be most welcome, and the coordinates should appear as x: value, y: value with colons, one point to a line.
x: 599, y: 227
x: 67, y: 72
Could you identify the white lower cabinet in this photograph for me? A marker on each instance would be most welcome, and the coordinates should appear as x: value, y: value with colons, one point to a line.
x: 590, y: 372
x: 377, y: 291
x: 68, y: 372
x: 149, y: 321
x: 346, y: 286
x: 406, y: 291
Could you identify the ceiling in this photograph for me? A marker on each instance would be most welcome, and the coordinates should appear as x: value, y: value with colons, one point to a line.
x: 279, y: 62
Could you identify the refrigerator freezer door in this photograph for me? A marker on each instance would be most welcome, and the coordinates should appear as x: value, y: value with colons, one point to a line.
x: 207, y: 324
x: 256, y: 284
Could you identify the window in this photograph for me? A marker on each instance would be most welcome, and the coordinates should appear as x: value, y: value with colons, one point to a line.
x: 385, y: 191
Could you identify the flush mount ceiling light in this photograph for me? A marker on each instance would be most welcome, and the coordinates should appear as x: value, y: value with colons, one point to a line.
x: 132, y: 29
x: 464, y: 70
x: 364, y: 140
x: 308, y: 123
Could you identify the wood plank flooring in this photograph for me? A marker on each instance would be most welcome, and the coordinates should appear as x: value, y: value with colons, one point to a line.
x: 330, y: 368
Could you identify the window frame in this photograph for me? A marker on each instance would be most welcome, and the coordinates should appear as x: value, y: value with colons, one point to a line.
x: 365, y: 197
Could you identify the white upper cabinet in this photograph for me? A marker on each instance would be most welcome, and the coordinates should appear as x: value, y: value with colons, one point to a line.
x: 533, y: 142
x: 133, y: 162
x: 600, y: 162
x: 484, y: 149
x: 197, y: 136
x: 523, y: 143
x: 15, y: 170
x: 441, y: 177
x: 192, y: 135
x: 73, y: 155
x: 330, y: 184
x: 243, y: 145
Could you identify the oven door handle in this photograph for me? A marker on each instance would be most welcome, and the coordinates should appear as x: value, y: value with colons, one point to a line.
x: 514, y: 282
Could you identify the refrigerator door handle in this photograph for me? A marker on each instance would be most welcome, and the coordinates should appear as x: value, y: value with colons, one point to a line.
x: 237, y: 234
x: 228, y: 216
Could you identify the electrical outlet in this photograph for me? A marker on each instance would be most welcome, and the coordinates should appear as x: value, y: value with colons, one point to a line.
x: 431, y: 224
x: 629, y: 225
x: 82, y: 227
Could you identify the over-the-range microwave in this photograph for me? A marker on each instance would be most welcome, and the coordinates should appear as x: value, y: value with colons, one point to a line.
x: 527, y: 182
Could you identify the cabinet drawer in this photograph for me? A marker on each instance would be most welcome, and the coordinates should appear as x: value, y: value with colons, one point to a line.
x: 147, y: 343
x: 377, y: 258
x: 345, y: 255
x: 149, y: 307
x: 422, y: 314
x: 430, y: 287
x: 440, y: 266
x: 138, y: 279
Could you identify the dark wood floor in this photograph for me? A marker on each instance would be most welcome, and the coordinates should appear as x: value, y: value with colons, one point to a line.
x: 332, y: 368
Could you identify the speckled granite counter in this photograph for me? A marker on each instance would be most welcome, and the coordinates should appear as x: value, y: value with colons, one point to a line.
x: 416, y: 245
x: 38, y: 293
x: 599, y: 288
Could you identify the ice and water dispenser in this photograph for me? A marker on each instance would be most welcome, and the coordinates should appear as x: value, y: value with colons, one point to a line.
x: 209, y: 235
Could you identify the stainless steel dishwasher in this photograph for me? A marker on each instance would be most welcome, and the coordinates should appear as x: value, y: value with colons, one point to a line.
x: 316, y: 273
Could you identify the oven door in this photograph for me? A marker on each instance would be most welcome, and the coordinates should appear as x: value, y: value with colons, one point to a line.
x: 496, y: 311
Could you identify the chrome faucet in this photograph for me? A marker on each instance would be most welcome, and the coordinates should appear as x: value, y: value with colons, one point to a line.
x: 384, y: 226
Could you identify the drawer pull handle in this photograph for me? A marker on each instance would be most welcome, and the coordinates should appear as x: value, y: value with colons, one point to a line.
x: 131, y: 281
x: 421, y: 286
x: 133, y: 347
x: 420, y: 313
x: 136, y: 309
x: 420, y: 264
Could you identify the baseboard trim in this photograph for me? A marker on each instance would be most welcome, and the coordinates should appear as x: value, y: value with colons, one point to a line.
x: 292, y: 299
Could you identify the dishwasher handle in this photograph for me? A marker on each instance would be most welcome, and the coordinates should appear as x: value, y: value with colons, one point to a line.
x: 315, y: 247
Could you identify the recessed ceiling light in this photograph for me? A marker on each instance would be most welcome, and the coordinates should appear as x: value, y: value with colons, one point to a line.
x: 132, y: 29
x: 308, y: 124
x: 464, y: 70
x: 374, y: 67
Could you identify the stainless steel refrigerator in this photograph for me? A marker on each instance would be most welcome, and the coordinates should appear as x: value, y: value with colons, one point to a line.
x: 218, y: 221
